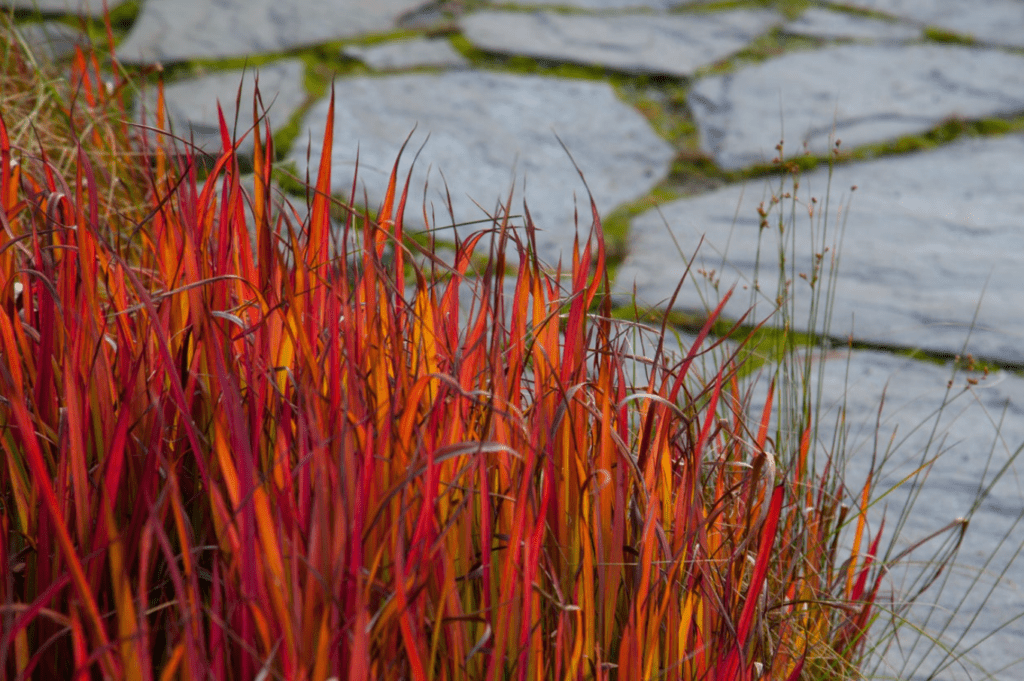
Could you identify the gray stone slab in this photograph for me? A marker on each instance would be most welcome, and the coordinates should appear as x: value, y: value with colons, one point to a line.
x: 602, y: 4
x: 864, y: 93
x: 85, y: 8
x: 999, y: 22
x: 676, y: 44
x: 927, y: 236
x: 172, y: 30
x: 52, y: 41
x: 972, y: 431
x: 485, y: 130
x: 192, y: 104
x: 407, y: 54
x: 828, y: 25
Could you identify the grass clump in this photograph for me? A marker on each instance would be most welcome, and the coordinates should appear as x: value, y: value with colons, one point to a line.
x: 292, y: 460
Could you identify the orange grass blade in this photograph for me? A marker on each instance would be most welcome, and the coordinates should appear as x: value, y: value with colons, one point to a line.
x: 385, y: 223
x: 131, y: 641
x: 320, y: 211
x: 25, y: 496
x: 858, y: 534
x: 766, y: 415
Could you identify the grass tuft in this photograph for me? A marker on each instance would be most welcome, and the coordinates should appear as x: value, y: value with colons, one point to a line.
x: 239, y: 442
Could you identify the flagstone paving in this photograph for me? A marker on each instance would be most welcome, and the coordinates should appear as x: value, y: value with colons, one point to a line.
x: 192, y: 103
x: 852, y: 93
x: 52, y: 40
x: 930, y: 412
x: 173, y: 30
x: 85, y: 8
x: 602, y: 4
x: 408, y: 54
x: 933, y: 244
x: 675, y: 44
x: 927, y: 235
x: 828, y: 25
x: 482, y: 128
x: 997, y: 22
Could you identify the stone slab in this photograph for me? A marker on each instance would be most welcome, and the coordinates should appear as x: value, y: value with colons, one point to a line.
x: 486, y: 130
x: 927, y: 236
x: 408, y: 54
x: 84, y: 8
x: 675, y: 44
x: 52, y: 41
x: 173, y: 30
x: 853, y: 92
x: 998, y: 22
x: 192, y: 104
x: 828, y: 25
x: 598, y: 5
x: 973, y: 430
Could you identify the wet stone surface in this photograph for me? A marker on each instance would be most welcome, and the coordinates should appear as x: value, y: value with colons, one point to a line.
x: 192, y: 104
x: 675, y: 45
x: 485, y: 130
x: 172, y: 30
x: 927, y: 236
x: 852, y: 93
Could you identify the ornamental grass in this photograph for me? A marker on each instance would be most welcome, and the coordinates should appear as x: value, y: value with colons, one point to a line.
x: 241, y: 440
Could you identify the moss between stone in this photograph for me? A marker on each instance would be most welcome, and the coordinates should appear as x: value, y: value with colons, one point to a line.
x: 616, y: 224
x: 945, y: 132
x: 121, y: 19
x: 941, y: 35
x: 862, y: 12
x: 524, y: 65
x: 769, y: 345
x: 549, y: 5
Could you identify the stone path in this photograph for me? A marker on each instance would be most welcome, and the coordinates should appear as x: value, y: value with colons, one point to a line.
x: 851, y: 93
x: 996, y: 22
x: 53, y: 41
x: 674, y: 44
x: 930, y: 412
x: 677, y: 95
x: 603, y: 4
x: 192, y: 105
x: 519, y: 117
x: 823, y: 23
x: 86, y: 8
x: 172, y: 30
x: 933, y: 244
x: 408, y: 54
